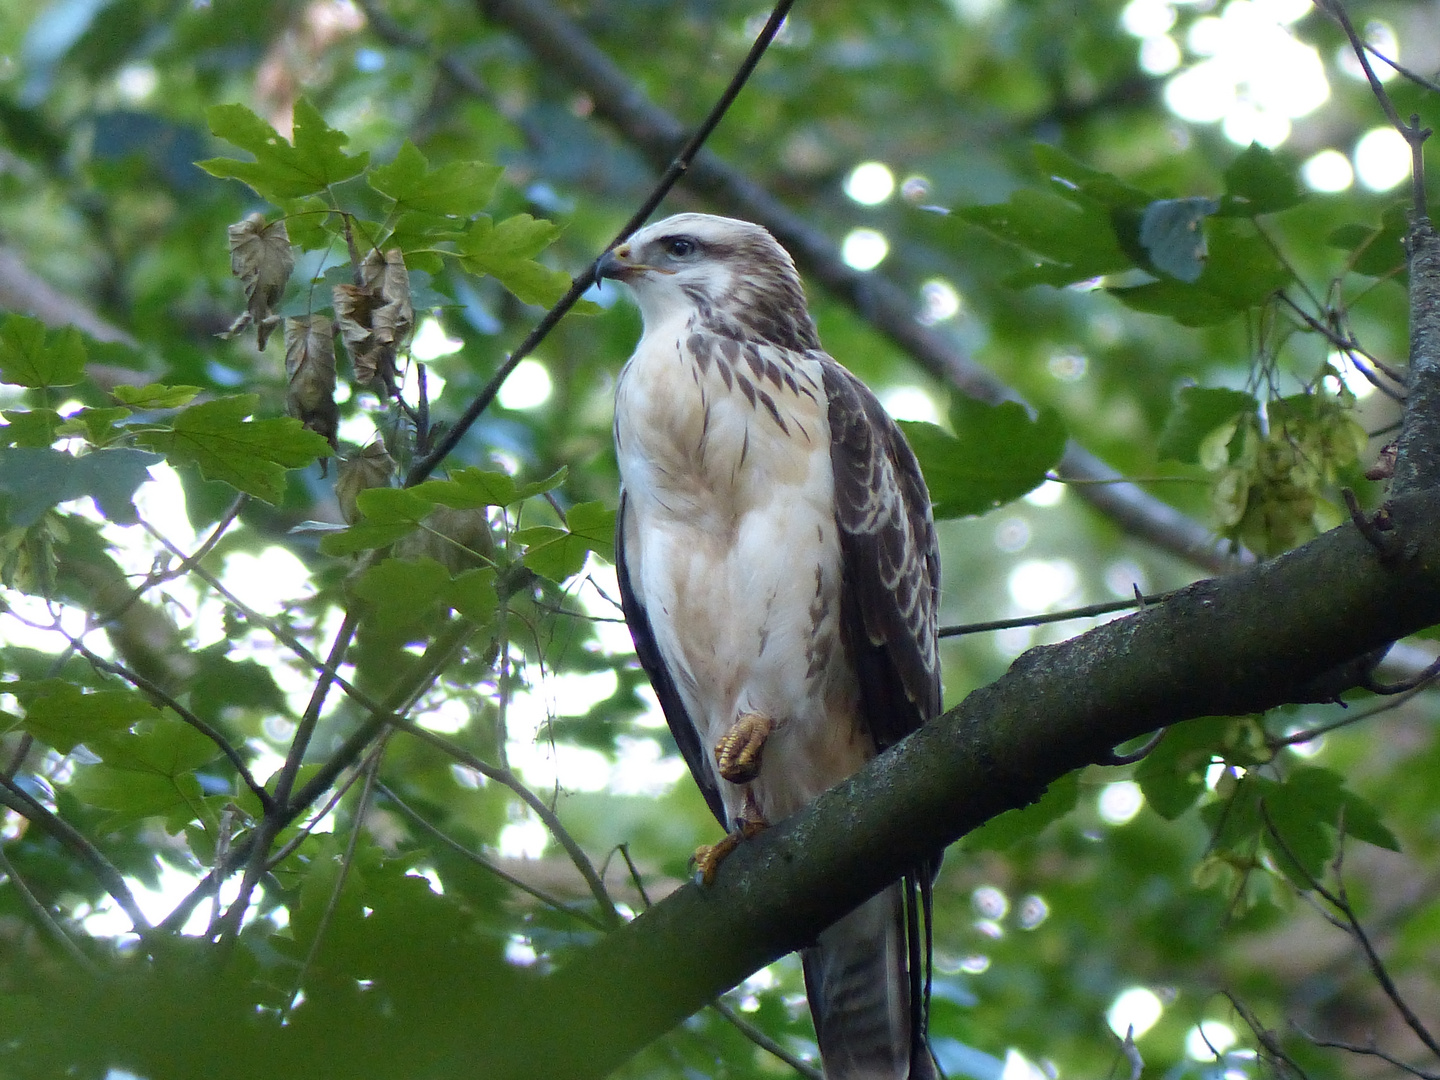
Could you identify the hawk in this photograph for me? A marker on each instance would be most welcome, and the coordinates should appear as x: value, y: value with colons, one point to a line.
x: 779, y: 573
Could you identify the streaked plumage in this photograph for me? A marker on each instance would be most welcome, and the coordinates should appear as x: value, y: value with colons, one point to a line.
x: 779, y: 573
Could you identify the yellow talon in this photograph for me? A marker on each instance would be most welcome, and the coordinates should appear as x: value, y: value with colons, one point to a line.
x: 739, y: 751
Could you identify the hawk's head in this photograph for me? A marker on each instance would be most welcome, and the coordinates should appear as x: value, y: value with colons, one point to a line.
x: 730, y: 275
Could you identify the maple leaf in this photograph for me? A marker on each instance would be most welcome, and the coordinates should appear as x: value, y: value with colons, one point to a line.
x: 251, y: 455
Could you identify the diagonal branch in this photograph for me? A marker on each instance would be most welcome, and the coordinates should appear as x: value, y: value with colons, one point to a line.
x: 566, y: 51
x: 1229, y: 646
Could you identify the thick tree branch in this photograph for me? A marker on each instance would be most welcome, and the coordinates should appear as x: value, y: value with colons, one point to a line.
x: 1229, y: 646
x: 1417, y: 452
x: 566, y: 51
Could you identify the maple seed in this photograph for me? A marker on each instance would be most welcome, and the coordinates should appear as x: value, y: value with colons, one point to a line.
x: 261, y: 257
x: 310, y: 367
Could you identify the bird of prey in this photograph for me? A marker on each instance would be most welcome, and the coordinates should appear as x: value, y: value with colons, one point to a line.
x: 779, y: 573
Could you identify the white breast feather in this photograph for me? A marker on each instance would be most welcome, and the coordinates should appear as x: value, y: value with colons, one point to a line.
x: 739, y: 561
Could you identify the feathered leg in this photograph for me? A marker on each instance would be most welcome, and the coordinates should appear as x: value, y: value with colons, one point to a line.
x: 860, y: 988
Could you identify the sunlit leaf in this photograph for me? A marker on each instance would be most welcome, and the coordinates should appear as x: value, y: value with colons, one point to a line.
x: 458, y: 189
x: 281, y: 169
x: 507, y: 251
x: 250, y: 455
x: 997, y: 453
x: 1198, y: 411
x: 37, y: 478
x: 31, y: 356
x: 560, y: 553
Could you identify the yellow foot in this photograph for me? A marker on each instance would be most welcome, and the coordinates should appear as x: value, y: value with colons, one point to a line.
x: 739, y: 750
x: 708, y: 857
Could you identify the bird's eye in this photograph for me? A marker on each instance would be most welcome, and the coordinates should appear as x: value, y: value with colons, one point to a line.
x: 680, y: 246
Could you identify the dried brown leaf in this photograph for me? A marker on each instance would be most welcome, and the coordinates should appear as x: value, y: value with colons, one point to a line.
x: 310, y: 366
x: 261, y: 257
x: 362, y: 470
x: 395, y: 318
x: 373, y: 360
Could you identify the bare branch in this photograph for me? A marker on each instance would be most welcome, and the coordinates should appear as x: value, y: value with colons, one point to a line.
x: 421, y: 822
x: 1368, y: 1051
x: 1086, y: 612
x: 41, y: 914
x: 26, y: 805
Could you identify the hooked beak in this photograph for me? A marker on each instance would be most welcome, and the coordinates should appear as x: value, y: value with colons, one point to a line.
x: 617, y: 264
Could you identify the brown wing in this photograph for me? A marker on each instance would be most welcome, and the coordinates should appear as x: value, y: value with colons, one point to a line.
x: 687, y: 738
x: 890, y: 561
x: 890, y: 593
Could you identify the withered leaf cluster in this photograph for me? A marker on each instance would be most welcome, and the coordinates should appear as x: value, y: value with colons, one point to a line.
x: 310, y: 368
x: 376, y: 316
x: 261, y: 257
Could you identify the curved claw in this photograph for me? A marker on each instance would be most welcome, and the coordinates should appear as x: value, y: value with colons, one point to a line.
x: 708, y: 857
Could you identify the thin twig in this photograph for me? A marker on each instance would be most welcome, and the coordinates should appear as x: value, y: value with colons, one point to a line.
x: 1056, y: 616
x: 1412, y: 132
x: 586, y: 278
x: 26, y: 805
x: 1268, y: 1040
x: 1341, y: 903
x: 160, y: 697
x: 420, y: 821
x: 41, y: 914
x: 765, y: 1042
x: 546, y: 815
x: 1368, y: 1051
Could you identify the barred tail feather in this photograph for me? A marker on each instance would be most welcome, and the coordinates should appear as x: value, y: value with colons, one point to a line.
x: 858, y: 977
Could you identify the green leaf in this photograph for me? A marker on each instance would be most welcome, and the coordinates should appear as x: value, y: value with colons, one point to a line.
x: 1076, y: 240
x: 29, y: 427
x: 282, y: 170
x: 1172, y: 234
x: 470, y: 488
x: 1076, y: 176
x: 1172, y: 776
x: 507, y: 252
x: 560, y: 553
x: 62, y: 716
x: 473, y: 595
x: 31, y: 357
x: 400, y: 592
x: 148, y: 771
x: 1198, y: 411
x: 96, y: 425
x: 388, y: 514
x: 251, y: 455
x: 1377, y: 252
x: 997, y: 454
x: 1259, y: 181
x: 1241, y: 273
x: 1008, y: 828
x: 459, y: 189
x: 37, y: 478
x: 155, y: 396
